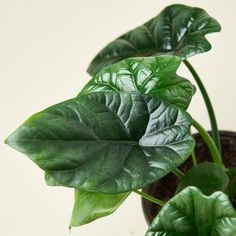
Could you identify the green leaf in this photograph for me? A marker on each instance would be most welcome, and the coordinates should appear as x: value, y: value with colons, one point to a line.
x: 207, y: 176
x: 178, y: 30
x: 50, y: 181
x: 192, y: 213
x: 154, y: 75
x: 90, y: 206
x: 231, y: 190
x: 107, y: 142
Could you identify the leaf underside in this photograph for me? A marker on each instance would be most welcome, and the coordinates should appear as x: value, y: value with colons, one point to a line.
x: 178, y: 30
x: 107, y: 142
x: 192, y: 213
x: 90, y: 206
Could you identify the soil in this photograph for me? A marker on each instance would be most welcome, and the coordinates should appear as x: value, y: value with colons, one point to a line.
x: 166, y: 187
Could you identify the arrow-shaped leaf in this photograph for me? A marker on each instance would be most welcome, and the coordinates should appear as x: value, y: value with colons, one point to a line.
x: 154, y: 75
x: 107, y: 142
x: 178, y: 30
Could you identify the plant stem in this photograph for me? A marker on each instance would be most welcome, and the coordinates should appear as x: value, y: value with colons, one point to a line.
x: 150, y: 198
x: 194, y: 159
x: 210, y: 143
x: 214, y: 127
x: 178, y: 173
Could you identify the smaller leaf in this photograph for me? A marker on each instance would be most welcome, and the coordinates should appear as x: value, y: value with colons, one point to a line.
x: 207, y: 176
x: 178, y: 30
x: 151, y: 75
x: 90, y: 206
x: 192, y: 213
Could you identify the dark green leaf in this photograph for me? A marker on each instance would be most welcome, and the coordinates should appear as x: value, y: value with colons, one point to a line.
x: 178, y: 30
x: 90, y: 206
x: 154, y: 75
x: 107, y: 142
x: 231, y: 190
x: 192, y: 213
x: 207, y: 176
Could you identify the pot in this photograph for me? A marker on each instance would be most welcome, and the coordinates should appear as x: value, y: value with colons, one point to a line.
x: 165, y: 188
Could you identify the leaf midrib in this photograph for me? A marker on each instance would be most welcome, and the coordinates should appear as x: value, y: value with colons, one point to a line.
x: 82, y: 141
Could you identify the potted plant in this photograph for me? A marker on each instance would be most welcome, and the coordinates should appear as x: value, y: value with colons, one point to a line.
x: 129, y: 128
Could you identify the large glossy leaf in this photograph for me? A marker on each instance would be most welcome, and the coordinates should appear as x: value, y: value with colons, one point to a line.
x: 192, y: 213
x: 179, y: 30
x: 90, y: 206
x: 107, y: 142
x: 154, y: 75
x: 207, y: 176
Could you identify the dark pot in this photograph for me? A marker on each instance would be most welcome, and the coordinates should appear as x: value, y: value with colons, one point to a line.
x: 166, y: 187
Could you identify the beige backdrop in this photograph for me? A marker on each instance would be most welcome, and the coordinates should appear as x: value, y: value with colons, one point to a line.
x: 45, y: 47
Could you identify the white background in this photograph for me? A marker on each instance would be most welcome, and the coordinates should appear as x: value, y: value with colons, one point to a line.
x: 45, y: 48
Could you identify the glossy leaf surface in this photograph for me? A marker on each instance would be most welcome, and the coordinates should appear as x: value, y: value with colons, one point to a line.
x: 178, y: 30
x: 207, y: 176
x: 107, y: 142
x: 154, y: 75
x: 192, y: 213
x: 90, y: 206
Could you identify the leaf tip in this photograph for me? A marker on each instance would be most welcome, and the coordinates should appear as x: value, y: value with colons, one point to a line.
x: 9, y: 141
x: 13, y: 141
x: 6, y: 141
